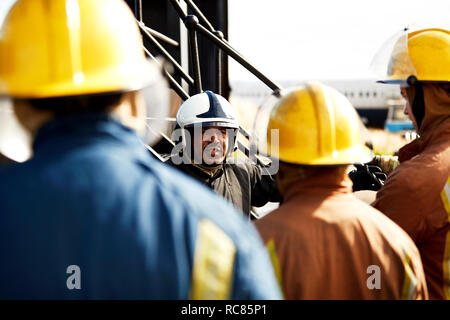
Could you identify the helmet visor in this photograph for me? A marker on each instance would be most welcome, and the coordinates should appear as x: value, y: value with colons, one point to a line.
x: 265, y: 142
x: 392, y: 63
x: 156, y: 120
x: 212, y: 122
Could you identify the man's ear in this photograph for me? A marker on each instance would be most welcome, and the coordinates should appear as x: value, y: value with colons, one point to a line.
x: 137, y: 109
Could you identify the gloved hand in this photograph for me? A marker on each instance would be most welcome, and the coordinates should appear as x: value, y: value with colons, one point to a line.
x: 386, y: 163
x: 367, y: 177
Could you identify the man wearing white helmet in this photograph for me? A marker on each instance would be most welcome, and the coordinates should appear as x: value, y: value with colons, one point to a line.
x: 208, y: 134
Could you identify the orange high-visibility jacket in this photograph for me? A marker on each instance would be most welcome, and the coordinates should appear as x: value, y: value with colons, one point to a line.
x: 417, y: 194
x: 326, y: 244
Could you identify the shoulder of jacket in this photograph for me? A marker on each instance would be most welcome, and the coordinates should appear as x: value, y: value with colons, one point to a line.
x: 182, y: 191
x: 245, y: 165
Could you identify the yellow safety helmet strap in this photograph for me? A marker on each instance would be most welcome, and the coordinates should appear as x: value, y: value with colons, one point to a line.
x: 261, y: 121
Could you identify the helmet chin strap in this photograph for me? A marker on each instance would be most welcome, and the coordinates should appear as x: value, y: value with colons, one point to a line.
x: 210, y: 170
x: 212, y: 167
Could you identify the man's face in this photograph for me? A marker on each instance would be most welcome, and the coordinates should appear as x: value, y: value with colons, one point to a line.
x: 408, y: 110
x: 214, y: 145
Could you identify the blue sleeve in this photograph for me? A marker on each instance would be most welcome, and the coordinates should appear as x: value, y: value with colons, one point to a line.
x: 254, y: 275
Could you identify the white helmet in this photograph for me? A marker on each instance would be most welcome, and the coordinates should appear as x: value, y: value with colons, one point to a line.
x: 207, y: 109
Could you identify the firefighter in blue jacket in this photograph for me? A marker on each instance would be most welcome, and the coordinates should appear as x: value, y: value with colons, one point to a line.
x: 91, y: 214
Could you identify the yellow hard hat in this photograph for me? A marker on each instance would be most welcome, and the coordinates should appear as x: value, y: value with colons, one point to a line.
x: 422, y: 55
x: 71, y: 47
x: 316, y: 125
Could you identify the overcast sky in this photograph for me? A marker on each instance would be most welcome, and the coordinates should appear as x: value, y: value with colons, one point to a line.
x: 317, y: 39
x: 4, y: 6
x: 321, y: 39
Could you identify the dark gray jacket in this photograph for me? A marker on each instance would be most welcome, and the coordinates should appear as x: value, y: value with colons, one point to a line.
x: 241, y: 183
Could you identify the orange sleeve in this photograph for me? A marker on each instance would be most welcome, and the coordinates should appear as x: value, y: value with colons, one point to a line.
x: 401, y: 201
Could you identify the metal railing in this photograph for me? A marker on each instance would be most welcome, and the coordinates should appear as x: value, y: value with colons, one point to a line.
x: 196, y: 24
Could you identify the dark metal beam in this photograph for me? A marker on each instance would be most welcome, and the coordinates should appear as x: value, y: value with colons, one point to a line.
x: 167, y: 55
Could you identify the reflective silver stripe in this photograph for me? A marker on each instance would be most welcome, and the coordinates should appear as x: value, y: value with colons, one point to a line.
x: 445, y: 196
x: 446, y: 267
x: 409, y: 290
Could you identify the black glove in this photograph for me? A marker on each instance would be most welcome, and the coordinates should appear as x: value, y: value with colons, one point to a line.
x: 367, y: 177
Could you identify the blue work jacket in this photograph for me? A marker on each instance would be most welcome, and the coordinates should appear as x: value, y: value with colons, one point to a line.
x: 93, y: 216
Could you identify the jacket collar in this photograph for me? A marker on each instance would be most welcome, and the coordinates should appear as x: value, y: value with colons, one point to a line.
x: 322, y: 184
x: 441, y: 133
x: 210, y: 172
x: 70, y: 132
x: 437, y: 111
